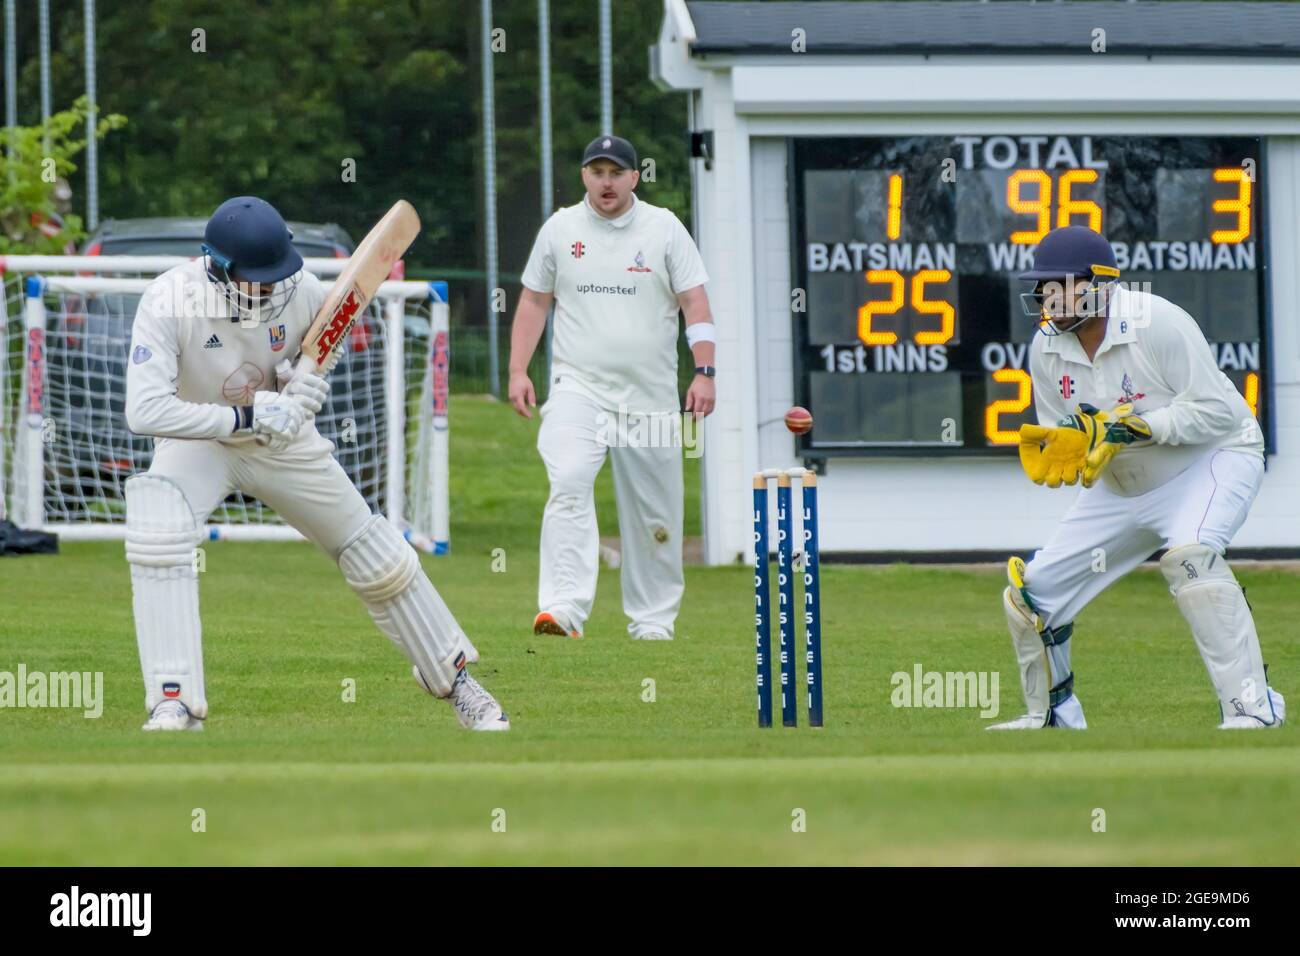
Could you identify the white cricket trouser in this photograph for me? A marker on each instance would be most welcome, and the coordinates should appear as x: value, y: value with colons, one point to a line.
x: 309, y: 490
x: 1104, y: 536
x: 303, y: 484
x: 575, y: 436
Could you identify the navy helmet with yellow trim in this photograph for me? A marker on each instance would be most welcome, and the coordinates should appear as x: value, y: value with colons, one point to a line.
x: 1073, y: 258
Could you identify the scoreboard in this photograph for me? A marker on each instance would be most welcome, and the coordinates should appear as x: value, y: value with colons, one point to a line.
x: 910, y: 338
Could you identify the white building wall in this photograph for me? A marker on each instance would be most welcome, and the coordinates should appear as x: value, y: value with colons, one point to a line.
x: 1275, y: 518
x: 946, y: 504
x: 772, y: 284
x: 724, y: 240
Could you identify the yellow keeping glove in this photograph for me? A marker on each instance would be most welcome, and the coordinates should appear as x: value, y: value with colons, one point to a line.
x: 1052, y: 456
x: 1057, y: 455
x: 1122, y: 428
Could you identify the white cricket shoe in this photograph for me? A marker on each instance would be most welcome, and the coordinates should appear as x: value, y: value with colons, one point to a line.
x: 1025, y: 722
x: 172, y: 715
x: 475, y: 708
x: 651, y: 634
x: 1068, y: 714
x: 1247, y: 722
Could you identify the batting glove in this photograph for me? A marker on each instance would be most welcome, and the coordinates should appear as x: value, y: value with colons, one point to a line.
x: 309, y: 391
x: 276, y: 419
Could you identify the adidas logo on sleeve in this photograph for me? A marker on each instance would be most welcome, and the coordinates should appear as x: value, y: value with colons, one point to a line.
x: 213, y: 343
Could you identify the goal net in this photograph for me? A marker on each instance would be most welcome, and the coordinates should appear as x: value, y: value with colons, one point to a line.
x: 65, y: 450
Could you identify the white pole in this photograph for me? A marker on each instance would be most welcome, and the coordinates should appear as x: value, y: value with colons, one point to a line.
x: 44, y: 14
x: 606, y: 70
x: 490, y: 199
x: 29, y: 497
x: 440, y: 352
x: 544, y: 103
x: 544, y: 120
x: 92, y: 118
x: 11, y: 69
x: 395, y: 405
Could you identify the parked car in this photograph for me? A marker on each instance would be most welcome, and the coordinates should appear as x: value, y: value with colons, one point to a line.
x: 178, y: 236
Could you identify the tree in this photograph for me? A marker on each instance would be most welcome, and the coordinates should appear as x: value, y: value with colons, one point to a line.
x: 35, y: 162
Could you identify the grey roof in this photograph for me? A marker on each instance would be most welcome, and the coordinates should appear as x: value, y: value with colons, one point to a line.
x: 1002, y: 26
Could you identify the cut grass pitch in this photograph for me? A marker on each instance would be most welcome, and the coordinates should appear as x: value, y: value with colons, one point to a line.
x: 622, y: 751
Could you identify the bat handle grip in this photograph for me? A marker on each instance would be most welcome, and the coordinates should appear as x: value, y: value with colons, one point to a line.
x: 304, y: 365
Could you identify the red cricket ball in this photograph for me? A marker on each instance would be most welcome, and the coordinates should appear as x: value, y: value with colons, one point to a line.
x: 799, y: 420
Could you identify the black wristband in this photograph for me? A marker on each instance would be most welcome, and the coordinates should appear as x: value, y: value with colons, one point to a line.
x: 243, y: 417
x: 708, y: 371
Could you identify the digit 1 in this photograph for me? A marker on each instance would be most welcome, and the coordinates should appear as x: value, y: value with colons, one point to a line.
x: 895, y: 225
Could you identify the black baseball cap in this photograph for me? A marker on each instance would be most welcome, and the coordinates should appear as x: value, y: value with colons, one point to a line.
x: 614, y: 148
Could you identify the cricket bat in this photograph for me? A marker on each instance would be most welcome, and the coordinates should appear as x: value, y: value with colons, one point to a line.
x: 356, y: 285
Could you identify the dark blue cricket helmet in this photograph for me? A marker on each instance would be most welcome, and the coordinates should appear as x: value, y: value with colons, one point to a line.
x: 248, y: 238
x: 251, y: 255
x: 1074, y: 259
x: 1073, y: 251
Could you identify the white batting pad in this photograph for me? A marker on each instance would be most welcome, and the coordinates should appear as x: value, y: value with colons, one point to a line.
x: 1208, y: 595
x: 384, y: 571
x: 1035, y: 676
x: 161, y: 535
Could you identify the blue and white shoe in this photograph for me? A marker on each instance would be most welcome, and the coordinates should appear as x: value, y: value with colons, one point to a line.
x: 475, y: 708
x: 172, y: 715
x: 1250, y: 722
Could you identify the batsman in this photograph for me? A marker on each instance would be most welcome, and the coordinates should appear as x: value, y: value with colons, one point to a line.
x: 1132, y: 405
x: 206, y: 379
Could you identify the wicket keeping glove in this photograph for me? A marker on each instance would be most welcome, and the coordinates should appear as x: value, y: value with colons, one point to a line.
x: 1056, y: 456
x: 1122, y: 428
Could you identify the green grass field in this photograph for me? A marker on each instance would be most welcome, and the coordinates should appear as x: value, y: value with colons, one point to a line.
x: 287, y: 772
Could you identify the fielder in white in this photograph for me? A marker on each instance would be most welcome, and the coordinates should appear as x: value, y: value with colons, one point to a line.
x: 1131, y: 403
x: 617, y: 270
x: 204, y: 377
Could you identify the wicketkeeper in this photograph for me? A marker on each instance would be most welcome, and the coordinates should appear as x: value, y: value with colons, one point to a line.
x: 207, y: 380
x: 617, y: 269
x: 1170, y: 457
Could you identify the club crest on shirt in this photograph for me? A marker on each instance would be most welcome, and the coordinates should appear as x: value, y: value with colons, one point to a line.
x: 242, y: 384
x: 277, y: 337
x: 141, y: 354
x: 577, y: 249
x: 640, y: 264
x: 1129, y: 395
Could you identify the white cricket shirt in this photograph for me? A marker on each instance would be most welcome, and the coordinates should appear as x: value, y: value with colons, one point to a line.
x: 190, y: 363
x: 616, y: 283
x: 1155, y: 356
